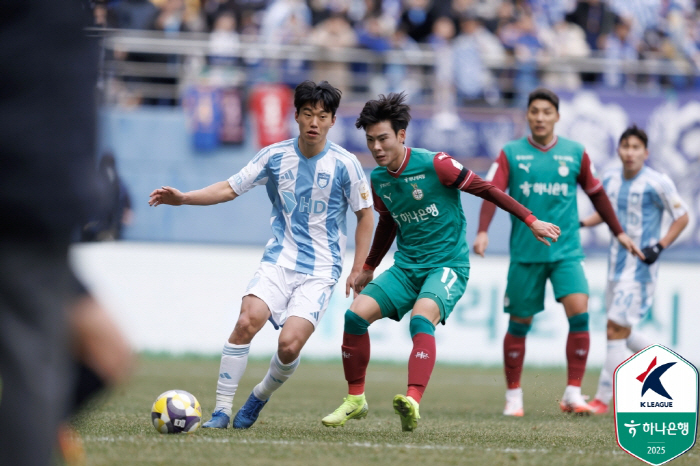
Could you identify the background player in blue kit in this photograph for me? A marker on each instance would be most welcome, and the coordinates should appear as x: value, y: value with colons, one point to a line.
x: 640, y: 196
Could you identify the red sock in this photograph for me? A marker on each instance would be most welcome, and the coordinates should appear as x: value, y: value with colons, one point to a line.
x: 355, y: 359
x: 576, y: 355
x: 420, y: 365
x: 513, y: 357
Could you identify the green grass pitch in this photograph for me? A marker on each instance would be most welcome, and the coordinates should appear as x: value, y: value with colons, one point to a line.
x: 461, y: 421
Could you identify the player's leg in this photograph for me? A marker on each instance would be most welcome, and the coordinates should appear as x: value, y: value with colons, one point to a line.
x: 307, y: 304
x: 626, y: 303
x: 571, y: 289
x: 234, y: 358
x: 363, y: 311
x: 267, y: 292
x: 441, y: 289
x: 295, y: 333
x: 372, y: 304
x: 524, y: 298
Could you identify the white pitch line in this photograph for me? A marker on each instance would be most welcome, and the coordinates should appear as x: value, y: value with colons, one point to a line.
x: 199, y: 439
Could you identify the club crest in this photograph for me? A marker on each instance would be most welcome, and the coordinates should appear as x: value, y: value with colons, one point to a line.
x: 322, y: 179
x: 563, y: 169
x: 417, y: 192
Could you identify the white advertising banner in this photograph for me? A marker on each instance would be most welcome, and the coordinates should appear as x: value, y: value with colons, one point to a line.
x: 185, y: 299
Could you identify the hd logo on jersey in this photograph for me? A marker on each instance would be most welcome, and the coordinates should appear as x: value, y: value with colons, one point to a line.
x: 656, y: 405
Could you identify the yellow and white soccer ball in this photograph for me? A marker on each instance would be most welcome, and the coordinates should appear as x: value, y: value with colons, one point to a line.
x: 176, y: 411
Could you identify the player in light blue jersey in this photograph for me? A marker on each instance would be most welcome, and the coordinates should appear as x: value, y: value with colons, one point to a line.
x: 640, y: 197
x: 310, y: 182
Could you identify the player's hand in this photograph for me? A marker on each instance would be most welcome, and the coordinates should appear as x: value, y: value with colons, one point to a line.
x: 543, y: 230
x: 166, y: 195
x: 651, y: 253
x: 628, y: 244
x: 360, y: 281
x: 481, y: 242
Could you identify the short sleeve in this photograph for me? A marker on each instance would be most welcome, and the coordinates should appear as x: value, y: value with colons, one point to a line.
x: 672, y: 201
x: 252, y: 175
x: 356, y: 187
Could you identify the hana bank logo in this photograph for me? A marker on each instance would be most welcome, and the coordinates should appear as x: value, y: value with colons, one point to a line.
x: 651, y: 380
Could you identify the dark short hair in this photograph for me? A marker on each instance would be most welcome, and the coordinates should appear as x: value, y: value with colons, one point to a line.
x: 634, y: 131
x: 386, y: 108
x: 543, y: 94
x: 322, y: 93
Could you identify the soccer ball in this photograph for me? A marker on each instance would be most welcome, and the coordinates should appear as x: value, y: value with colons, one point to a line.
x: 176, y: 411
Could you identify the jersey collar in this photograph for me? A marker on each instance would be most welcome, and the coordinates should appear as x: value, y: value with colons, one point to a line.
x: 540, y: 147
x: 315, y: 157
x: 398, y: 172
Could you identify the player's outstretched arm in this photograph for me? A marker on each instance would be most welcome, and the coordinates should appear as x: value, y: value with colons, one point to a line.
x: 545, y: 230
x: 213, y: 194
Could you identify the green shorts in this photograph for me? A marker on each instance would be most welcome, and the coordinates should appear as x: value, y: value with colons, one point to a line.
x: 526, y: 282
x: 397, y: 289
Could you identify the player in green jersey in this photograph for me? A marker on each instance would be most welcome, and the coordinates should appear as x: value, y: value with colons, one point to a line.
x: 541, y: 171
x: 417, y: 194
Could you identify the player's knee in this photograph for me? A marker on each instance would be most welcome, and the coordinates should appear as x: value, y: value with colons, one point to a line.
x: 578, y: 323
x: 288, y: 350
x: 616, y: 331
x: 246, y: 328
x: 420, y: 324
x: 519, y: 329
x: 354, y: 324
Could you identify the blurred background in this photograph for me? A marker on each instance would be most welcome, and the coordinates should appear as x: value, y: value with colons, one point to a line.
x: 190, y: 90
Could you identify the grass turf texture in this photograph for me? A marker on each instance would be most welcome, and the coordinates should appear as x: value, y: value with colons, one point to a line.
x: 461, y: 421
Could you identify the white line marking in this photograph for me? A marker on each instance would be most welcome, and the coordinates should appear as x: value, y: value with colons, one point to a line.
x: 201, y: 439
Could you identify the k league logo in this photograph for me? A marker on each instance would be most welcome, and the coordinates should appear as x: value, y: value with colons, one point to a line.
x: 656, y: 405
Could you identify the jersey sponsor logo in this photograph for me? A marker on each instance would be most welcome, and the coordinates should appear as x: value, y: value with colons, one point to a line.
x: 288, y: 175
x: 563, y: 169
x: 525, y: 167
x: 322, y: 179
x: 408, y: 179
x: 417, y: 192
x: 305, y: 205
x: 552, y: 189
x: 416, y: 216
x: 524, y: 157
x: 564, y: 158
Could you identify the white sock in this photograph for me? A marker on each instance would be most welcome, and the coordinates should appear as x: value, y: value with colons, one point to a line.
x: 616, y: 353
x: 234, y: 358
x: 572, y: 392
x: 514, y: 395
x: 637, y: 341
x: 275, y: 377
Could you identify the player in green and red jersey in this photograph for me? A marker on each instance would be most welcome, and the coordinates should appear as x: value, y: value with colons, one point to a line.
x: 417, y: 194
x: 541, y: 171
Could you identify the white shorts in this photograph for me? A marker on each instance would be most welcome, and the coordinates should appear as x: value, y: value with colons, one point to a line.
x: 628, y: 302
x: 290, y: 293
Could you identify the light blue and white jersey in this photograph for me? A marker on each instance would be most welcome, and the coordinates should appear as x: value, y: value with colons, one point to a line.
x: 639, y: 204
x: 309, y: 199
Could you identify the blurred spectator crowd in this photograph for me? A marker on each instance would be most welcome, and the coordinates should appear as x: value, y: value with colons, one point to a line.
x: 470, y: 38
